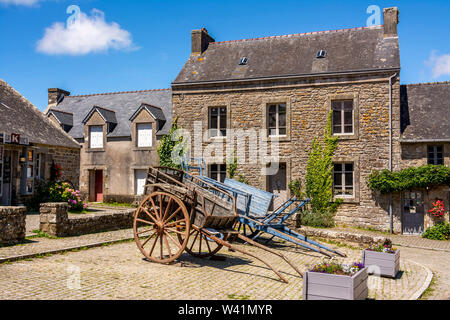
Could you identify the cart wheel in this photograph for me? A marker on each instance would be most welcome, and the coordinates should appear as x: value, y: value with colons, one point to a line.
x: 199, y: 245
x: 159, y: 217
x: 248, y: 231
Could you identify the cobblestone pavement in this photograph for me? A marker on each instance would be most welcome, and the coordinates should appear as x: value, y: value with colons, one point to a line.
x: 41, y: 245
x: 119, y: 272
x: 438, y: 263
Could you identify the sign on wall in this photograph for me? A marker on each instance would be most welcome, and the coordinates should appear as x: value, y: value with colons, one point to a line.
x: 15, y: 138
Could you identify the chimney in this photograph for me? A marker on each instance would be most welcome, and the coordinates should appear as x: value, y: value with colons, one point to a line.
x: 200, y: 41
x: 55, y: 96
x: 391, y: 20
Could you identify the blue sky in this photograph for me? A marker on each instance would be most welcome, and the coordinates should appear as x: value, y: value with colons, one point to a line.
x: 144, y: 44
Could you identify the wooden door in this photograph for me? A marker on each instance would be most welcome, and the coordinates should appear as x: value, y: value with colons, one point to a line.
x: 99, y: 186
x: 277, y: 184
x: 413, y: 213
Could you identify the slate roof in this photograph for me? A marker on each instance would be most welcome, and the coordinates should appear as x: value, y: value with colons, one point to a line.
x: 348, y: 50
x: 64, y: 118
x: 107, y: 115
x: 122, y: 104
x: 155, y: 111
x: 425, y: 111
x: 18, y: 115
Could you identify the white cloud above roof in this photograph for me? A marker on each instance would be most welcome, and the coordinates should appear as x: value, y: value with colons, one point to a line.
x: 87, y: 34
x: 439, y: 64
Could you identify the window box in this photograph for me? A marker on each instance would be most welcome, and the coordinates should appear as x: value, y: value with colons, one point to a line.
x: 381, y: 263
x: 324, y: 286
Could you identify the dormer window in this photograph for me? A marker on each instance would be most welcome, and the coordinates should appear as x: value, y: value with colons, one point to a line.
x: 144, y: 132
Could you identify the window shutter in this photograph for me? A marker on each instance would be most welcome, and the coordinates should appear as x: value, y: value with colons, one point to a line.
x: 145, y: 135
x: 96, y: 137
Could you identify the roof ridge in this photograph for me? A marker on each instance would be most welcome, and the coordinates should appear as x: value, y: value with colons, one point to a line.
x: 426, y: 83
x: 118, y: 92
x: 56, y: 110
x: 298, y: 34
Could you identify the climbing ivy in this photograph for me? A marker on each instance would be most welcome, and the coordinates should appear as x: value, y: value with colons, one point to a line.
x: 415, y: 177
x: 167, y: 145
x: 319, y: 179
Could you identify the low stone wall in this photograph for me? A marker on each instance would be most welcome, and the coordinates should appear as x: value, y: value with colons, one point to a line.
x: 12, y: 224
x: 55, y: 220
x: 362, y: 239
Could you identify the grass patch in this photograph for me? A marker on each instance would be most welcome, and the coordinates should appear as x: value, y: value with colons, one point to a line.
x: 40, y: 234
x: 372, y: 230
x: 430, y: 290
x: 234, y: 296
x: 336, y: 243
x: 115, y: 204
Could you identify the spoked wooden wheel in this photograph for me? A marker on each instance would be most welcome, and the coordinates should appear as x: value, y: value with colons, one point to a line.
x: 248, y: 231
x: 159, y: 217
x: 199, y: 245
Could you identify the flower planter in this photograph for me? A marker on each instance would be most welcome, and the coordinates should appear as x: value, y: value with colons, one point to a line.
x: 324, y: 286
x: 387, y: 264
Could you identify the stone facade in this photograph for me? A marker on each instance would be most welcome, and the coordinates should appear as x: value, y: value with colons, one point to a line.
x: 12, y: 224
x: 118, y: 160
x: 308, y: 105
x: 55, y: 221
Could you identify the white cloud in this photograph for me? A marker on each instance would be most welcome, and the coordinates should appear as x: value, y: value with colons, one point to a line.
x: 87, y: 34
x: 440, y: 65
x: 27, y: 3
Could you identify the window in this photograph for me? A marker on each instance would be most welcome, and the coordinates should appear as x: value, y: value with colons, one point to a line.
x: 144, y: 135
x: 96, y: 137
x: 141, y: 178
x: 436, y: 155
x: 39, y: 171
x: 1, y: 170
x: 30, y: 172
x: 343, y: 179
x: 277, y: 120
x: 218, y: 122
x: 218, y: 172
x: 342, y: 117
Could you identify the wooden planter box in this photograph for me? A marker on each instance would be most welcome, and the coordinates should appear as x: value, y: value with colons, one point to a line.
x: 388, y: 263
x: 323, y: 286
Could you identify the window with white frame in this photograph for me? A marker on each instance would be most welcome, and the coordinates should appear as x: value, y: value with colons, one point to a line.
x: 144, y: 133
x: 436, y: 155
x: 96, y: 137
x: 277, y: 120
x: 218, y: 121
x: 218, y: 172
x: 30, y: 172
x: 342, y: 117
x: 1, y: 170
x: 141, y: 178
x: 343, y: 179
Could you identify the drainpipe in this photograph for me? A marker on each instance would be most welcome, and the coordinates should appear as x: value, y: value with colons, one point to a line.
x: 390, y: 150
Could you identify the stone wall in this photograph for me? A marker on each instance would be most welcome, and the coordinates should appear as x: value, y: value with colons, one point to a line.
x: 55, y: 221
x: 12, y: 224
x: 308, y: 105
x: 69, y: 160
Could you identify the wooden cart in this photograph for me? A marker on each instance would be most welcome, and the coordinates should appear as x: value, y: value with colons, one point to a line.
x: 183, y: 213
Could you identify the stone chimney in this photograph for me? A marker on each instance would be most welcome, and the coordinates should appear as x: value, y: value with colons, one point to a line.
x: 200, y: 40
x: 391, y: 20
x: 55, y: 96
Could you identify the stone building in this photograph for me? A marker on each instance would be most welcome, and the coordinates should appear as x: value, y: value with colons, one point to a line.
x: 288, y: 85
x: 425, y: 139
x: 29, y: 145
x: 118, y: 133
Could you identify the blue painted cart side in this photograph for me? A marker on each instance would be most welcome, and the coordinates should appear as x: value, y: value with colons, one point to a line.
x: 253, y: 207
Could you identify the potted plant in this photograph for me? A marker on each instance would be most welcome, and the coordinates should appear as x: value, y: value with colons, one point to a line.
x: 383, y: 260
x: 333, y: 281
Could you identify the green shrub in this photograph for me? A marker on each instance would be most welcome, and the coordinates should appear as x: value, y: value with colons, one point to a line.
x: 323, y: 219
x: 410, y: 178
x: 441, y: 231
x: 41, y: 195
